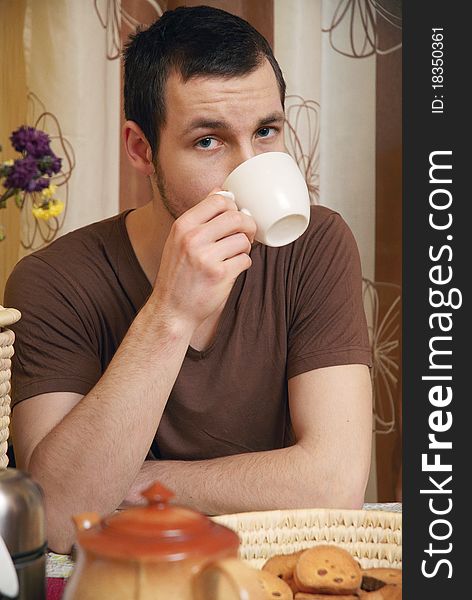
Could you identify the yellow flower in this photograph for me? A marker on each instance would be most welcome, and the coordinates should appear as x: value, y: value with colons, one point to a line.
x: 49, y: 192
x: 54, y: 208
x: 8, y: 163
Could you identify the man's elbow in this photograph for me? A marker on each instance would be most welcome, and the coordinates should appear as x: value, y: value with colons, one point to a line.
x: 60, y: 532
x: 342, y: 499
x: 350, y: 500
x: 323, y: 487
x: 58, y: 545
x: 346, y: 492
x: 326, y: 492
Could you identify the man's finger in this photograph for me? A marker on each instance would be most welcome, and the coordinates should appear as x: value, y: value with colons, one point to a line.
x: 226, y: 224
x: 231, y: 246
x: 213, y: 205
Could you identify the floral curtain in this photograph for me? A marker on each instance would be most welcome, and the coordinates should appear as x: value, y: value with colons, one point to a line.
x: 68, y: 72
x: 344, y: 127
x: 68, y: 79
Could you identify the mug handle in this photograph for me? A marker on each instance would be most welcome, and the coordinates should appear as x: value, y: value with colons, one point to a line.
x: 231, y: 196
x: 227, y: 579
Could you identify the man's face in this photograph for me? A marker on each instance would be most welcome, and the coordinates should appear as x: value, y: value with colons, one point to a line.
x: 212, y: 125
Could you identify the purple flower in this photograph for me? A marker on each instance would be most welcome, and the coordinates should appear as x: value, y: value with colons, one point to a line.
x: 36, y: 185
x: 31, y: 141
x: 31, y: 172
x: 49, y: 164
x: 22, y: 173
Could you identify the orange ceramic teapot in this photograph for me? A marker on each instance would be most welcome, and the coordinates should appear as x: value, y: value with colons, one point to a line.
x: 158, y: 552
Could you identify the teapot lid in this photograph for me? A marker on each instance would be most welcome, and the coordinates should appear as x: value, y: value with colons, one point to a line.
x: 157, y: 531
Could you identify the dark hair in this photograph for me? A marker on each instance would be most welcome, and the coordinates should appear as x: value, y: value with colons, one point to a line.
x: 193, y: 41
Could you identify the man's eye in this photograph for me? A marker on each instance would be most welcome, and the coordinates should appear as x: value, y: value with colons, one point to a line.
x: 266, y: 132
x: 206, y: 143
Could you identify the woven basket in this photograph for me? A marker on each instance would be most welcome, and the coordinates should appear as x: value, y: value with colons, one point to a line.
x: 8, y: 316
x: 373, y: 537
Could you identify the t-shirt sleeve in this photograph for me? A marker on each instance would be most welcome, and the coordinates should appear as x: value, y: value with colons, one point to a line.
x: 55, y: 346
x: 328, y: 324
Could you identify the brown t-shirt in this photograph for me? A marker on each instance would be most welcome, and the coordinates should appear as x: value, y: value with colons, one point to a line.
x: 297, y: 308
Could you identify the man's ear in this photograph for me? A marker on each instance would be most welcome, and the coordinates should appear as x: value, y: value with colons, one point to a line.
x: 137, y: 148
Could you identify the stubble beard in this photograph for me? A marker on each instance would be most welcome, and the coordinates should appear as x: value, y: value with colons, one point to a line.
x: 160, y: 179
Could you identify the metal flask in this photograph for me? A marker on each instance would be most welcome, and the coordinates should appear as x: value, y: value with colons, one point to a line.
x: 22, y: 527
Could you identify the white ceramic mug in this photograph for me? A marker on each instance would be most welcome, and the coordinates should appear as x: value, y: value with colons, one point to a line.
x: 271, y: 188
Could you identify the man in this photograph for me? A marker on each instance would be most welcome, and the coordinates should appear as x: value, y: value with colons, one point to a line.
x: 249, y: 362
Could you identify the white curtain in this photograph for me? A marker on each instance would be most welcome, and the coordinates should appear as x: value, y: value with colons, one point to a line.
x: 344, y: 88
x: 347, y: 153
x: 68, y: 72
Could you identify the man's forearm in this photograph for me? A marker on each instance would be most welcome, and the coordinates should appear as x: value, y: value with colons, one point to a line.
x: 276, y: 479
x: 90, y: 459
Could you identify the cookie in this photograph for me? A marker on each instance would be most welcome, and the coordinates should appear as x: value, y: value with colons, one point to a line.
x: 274, y: 587
x: 371, y: 576
x: 374, y: 595
x: 306, y: 596
x: 387, y: 592
x: 327, y: 569
x: 292, y: 585
x: 392, y: 592
x: 282, y: 565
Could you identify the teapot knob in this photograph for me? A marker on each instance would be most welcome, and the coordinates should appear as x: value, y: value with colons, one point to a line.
x: 85, y: 520
x: 157, y: 494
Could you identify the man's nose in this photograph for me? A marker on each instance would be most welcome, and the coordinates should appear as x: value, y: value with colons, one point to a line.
x: 242, y: 154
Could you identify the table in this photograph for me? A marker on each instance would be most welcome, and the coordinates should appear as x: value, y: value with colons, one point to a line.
x: 59, y: 566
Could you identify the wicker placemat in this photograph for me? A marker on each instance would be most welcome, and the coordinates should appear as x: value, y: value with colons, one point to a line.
x: 373, y: 537
x: 61, y: 565
x: 8, y: 316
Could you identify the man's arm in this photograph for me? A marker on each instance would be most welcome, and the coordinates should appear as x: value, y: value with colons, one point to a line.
x: 86, y: 458
x: 331, y: 411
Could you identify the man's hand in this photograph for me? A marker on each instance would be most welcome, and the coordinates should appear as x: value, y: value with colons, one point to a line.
x: 207, y: 248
